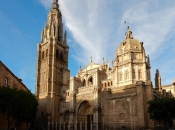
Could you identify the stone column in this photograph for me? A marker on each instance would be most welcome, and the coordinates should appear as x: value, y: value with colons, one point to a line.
x: 81, y: 126
x: 96, y: 117
x: 140, y: 105
x: 71, y: 119
x: 60, y: 126
x: 76, y: 122
x: 86, y: 125
x: 91, y: 125
x: 64, y: 126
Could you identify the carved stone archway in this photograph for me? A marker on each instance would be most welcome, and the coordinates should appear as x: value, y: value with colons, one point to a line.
x: 84, y: 115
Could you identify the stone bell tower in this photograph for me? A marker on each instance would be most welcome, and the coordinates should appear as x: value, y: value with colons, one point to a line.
x: 52, y: 74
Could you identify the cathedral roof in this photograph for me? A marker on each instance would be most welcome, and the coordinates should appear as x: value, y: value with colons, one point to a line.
x: 91, y: 66
x: 129, y: 44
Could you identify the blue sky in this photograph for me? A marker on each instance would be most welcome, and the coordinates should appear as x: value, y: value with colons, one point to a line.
x: 95, y: 29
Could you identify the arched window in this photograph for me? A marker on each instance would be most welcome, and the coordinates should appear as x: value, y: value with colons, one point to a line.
x: 90, y: 81
x: 133, y: 74
x: 84, y: 83
x: 108, y: 83
x: 126, y: 75
x: 105, y: 85
x: 111, y: 83
x: 140, y: 74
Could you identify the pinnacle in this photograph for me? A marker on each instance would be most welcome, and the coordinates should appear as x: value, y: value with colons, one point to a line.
x: 55, y: 4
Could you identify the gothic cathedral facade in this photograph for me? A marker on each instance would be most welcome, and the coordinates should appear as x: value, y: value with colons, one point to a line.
x: 99, y: 97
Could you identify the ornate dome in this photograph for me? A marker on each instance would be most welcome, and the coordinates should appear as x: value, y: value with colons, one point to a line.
x: 129, y: 44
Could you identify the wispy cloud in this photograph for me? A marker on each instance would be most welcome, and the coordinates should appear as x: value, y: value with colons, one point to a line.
x: 46, y: 3
x: 98, y: 26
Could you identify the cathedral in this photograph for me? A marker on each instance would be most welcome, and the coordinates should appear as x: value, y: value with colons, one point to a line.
x: 99, y: 97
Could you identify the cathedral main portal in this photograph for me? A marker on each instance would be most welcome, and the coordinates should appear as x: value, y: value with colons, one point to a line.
x: 84, y: 116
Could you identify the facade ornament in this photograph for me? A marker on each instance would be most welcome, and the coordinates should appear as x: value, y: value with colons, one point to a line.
x: 91, y: 60
x: 96, y: 107
x: 103, y: 62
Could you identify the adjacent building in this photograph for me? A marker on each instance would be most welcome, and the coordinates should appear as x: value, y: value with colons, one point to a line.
x: 8, y: 79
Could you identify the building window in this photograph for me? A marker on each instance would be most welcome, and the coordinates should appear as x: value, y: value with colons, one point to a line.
x: 14, y: 85
x: 111, y: 83
x: 140, y: 74
x: 108, y: 84
x: 42, y: 114
x: 133, y: 74
x: 120, y: 77
x: 6, y: 82
x: 126, y: 75
x: 84, y: 83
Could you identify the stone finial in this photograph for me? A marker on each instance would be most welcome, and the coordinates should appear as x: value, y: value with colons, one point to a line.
x: 148, y: 59
x: 90, y: 59
x: 157, y: 71
x: 103, y: 62
x: 128, y: 34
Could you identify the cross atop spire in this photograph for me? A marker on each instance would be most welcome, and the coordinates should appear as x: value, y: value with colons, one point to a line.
x: 128, y: 33
x: 55, y: 4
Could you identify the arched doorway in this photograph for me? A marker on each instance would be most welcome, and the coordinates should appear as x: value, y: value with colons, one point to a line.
x: 85, y: 116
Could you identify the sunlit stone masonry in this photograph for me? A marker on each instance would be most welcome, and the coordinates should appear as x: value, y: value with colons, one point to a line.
x: 99, y: 97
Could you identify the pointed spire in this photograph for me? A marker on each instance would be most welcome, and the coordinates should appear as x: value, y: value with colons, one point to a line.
x: 55, y: 4
x: 65, y: 37
x: 158, y: 80
x: 128, y: 34
x: 148, y: 59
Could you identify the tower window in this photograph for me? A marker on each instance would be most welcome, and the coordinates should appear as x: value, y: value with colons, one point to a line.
x: 133, y: 74
x: 57, y: 54
x: 43, y: 55
x: 46, y: 52
x: 61, y: 56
